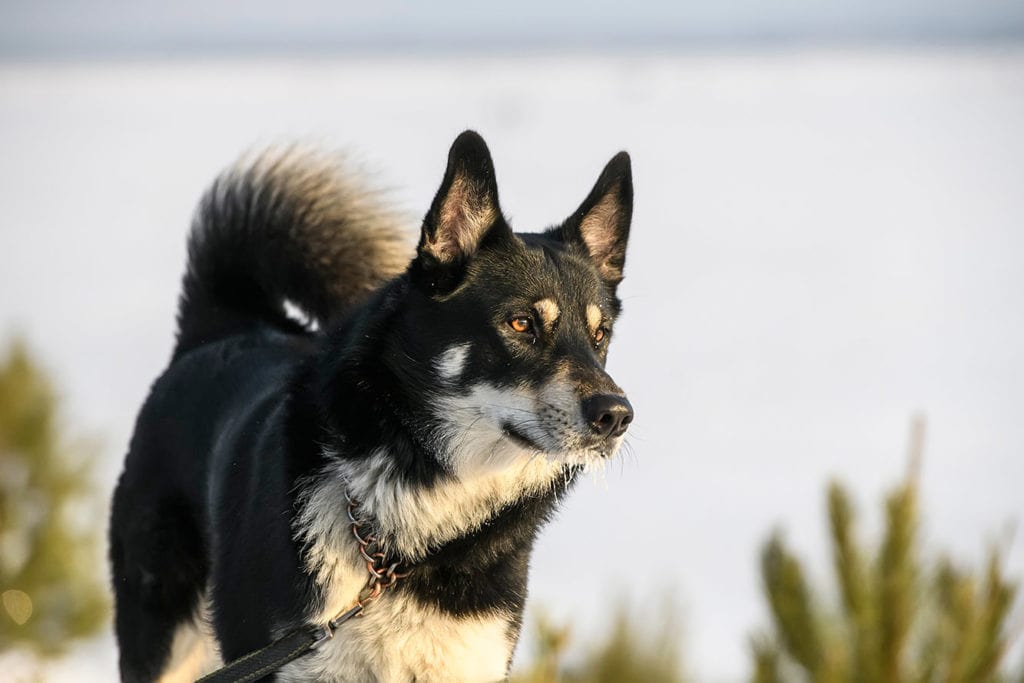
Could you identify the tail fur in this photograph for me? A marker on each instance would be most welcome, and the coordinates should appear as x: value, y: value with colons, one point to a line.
x: 286, y: 226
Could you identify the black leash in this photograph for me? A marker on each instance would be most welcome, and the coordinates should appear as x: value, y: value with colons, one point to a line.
x: 291, y: 646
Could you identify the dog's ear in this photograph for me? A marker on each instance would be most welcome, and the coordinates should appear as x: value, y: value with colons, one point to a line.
x: 465, y: 208
x: 601, y: 224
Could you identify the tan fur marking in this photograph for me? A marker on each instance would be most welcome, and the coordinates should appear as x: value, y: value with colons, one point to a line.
x: 594, y: 317
x: 548, y: 311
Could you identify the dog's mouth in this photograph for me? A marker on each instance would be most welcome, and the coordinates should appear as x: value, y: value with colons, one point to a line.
x: 600, y: 449
x: 517, y: 437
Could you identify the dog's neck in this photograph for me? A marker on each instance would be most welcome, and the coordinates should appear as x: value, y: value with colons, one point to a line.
x: 413, y: 518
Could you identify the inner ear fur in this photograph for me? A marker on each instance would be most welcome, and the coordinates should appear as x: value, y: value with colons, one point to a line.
x: 601, y: 223
x: 466, y: 205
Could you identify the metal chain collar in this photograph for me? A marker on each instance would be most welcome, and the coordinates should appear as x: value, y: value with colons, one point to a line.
x: 298, y: 642
x: 383, y: 575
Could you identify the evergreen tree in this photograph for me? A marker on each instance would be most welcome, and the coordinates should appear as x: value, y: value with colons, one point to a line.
x: 51, y: 591
x: 900, y: 619
x: 629, y: 653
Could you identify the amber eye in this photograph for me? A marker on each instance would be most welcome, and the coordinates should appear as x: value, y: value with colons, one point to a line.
x: 600, y: 334
x: 521, y: 324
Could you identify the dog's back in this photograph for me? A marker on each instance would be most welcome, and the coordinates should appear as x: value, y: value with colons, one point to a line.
x: 285, y: 227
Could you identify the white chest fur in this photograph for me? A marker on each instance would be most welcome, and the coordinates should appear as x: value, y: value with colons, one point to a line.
x: 399, y: 640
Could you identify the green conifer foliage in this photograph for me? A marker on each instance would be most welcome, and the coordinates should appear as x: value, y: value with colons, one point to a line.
x: 630, y: 653
x: 50, y: 531
x: 900, y: 618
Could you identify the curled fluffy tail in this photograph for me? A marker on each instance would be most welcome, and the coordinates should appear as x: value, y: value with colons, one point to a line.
x: 286, y: 226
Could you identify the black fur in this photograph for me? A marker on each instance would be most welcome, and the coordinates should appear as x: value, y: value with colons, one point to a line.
x: 254, y: 405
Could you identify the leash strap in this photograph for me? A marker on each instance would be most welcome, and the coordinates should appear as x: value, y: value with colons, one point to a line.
x: 255, y: 665
x: 291, y: 646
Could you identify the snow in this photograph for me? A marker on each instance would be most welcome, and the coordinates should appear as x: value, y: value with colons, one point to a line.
x: 825, y: 243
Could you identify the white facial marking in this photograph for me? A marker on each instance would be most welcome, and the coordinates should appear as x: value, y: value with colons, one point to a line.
x: 474, y: 439
x: 451, y: 362
x: 481, y: 426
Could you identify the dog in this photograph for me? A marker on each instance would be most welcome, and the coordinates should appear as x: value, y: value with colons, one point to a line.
x: 452, y: 390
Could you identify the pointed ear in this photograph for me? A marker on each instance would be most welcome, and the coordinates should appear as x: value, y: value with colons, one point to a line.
x: 466, y: 205
x: 601, y: 224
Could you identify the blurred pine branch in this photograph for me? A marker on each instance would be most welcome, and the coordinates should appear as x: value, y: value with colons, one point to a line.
x: 900, y: 619
x: 630, y: 653
x: 51, y: 591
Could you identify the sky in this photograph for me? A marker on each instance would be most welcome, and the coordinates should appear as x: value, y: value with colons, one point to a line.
x: 125, y: 28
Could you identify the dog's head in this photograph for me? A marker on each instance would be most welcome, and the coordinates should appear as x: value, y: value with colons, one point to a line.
x: 514, y: 329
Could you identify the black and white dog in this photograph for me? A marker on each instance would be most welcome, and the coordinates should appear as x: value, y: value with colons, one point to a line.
x: 453, y: 393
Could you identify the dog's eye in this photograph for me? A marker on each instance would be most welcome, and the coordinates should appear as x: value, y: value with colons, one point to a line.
x: 521, y: 324
x: 600, y: 334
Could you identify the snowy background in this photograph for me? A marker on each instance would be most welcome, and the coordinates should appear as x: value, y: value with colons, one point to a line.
x: 826, y: 242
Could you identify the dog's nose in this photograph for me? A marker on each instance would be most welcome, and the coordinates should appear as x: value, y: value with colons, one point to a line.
x: 608, y: 415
